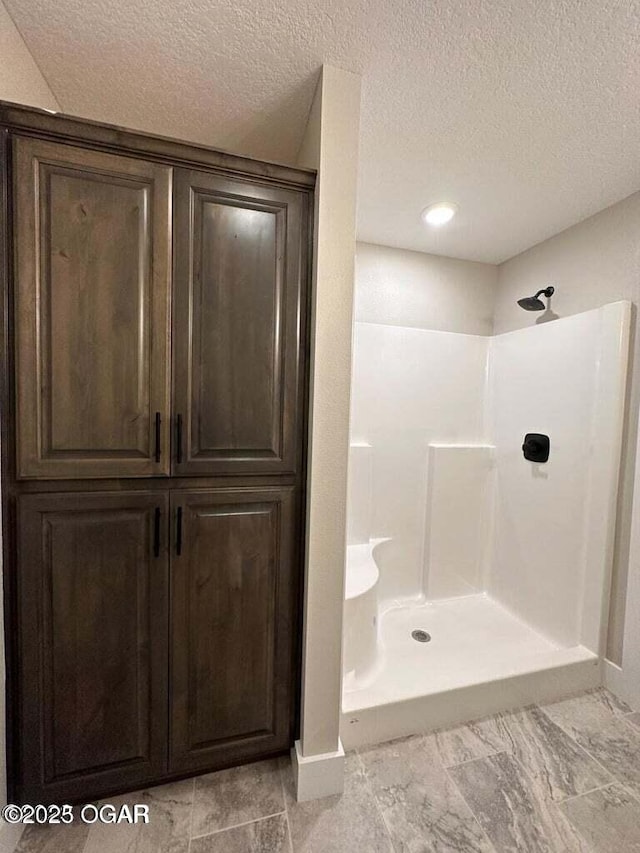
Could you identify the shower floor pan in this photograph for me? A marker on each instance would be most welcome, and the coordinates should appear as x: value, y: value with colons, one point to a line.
x: 480, y: 659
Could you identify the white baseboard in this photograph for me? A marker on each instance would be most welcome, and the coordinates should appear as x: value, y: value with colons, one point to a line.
x: 317, y: 776
x: 614, y: 680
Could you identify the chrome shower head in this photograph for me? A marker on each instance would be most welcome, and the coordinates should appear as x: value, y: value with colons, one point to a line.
x: 534, y: 303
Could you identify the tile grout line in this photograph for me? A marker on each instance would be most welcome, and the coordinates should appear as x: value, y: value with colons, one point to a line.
x: 466, y: 802
x: 471, y: 760
x: 286, y: 808
x: 84, y: 846
x: 630, y: 791
x: 627, y: 713
x: 615, y: 715
x: 575, y: 740
x: 497, y: 717
x: 286, y: 819
x: 572, y: 797
x: 375, y: 799
x: 193, y: 805
x: 530, y: 781
x: 434, y: 736
x: 584, y: 749
x: 614, y: 779
x: 549, y: 801
x: 627, y: 721
x: 238, y: 825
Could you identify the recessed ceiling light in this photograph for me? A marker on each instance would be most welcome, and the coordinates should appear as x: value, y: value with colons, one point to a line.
x: 439, y: 214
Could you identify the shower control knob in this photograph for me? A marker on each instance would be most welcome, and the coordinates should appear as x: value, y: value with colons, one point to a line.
x: 536, y: 447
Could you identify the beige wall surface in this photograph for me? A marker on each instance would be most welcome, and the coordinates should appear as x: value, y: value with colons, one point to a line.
x: 20, y: 77
x: 21, y: 82
x: 404, y: 288
x: 590, y: 264
x: 331, y: 146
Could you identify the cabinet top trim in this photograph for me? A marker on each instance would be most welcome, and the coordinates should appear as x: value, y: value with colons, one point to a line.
x: 108, y: 137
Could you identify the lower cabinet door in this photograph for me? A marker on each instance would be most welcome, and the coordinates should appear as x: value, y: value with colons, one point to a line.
x: 233, y: 604
x: 93, y: 617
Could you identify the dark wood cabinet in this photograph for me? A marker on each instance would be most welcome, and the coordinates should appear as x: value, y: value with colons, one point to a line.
x: 237, y: 323
x: 232, y: 590
x: 92, y: 312
x: 93, y: 605
x: 153, y: 410
x: 115, y: 591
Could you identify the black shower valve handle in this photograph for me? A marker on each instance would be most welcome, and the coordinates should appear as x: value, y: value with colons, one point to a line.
x: 536, y: 447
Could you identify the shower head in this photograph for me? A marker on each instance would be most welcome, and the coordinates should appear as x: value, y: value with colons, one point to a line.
x: 533, y: 303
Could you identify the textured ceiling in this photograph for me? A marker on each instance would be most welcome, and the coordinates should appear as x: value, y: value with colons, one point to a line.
x: 525, y: 113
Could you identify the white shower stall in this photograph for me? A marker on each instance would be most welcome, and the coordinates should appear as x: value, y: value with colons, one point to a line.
x: 477, y: 579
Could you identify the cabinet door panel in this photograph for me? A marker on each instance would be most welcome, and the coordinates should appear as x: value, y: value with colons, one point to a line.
x: 239, y: 261
x: 233, y: 602
x: 93, y: 649
x: 92, y: 265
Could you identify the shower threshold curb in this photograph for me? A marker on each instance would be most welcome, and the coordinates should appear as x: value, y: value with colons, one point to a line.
x: 458, y: 705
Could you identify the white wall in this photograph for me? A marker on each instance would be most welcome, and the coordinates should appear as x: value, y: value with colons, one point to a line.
x: 331, y: 146
x: 404, y: 288
x: 591, y: 264
x: 20, y: 77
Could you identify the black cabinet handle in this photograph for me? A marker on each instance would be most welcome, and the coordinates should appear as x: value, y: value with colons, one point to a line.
x: 158, y: 424
x: 156, y: 533
x: 179, y: 531
x: 178, y: 438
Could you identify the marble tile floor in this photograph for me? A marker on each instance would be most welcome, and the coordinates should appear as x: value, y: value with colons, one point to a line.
x: 555, y: 778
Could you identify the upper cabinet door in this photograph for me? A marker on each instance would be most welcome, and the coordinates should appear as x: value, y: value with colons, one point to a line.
x: 239, y: 276
x: 92, y: 313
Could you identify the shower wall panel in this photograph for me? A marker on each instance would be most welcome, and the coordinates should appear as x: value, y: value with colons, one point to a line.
x: 458, y: 519
x: 359, y: 494
x: 554, y: 522
x: 550, y: 526
x: 411, y: 387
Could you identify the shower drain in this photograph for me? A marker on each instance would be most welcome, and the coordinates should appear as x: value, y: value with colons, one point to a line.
x: 421, y: 636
